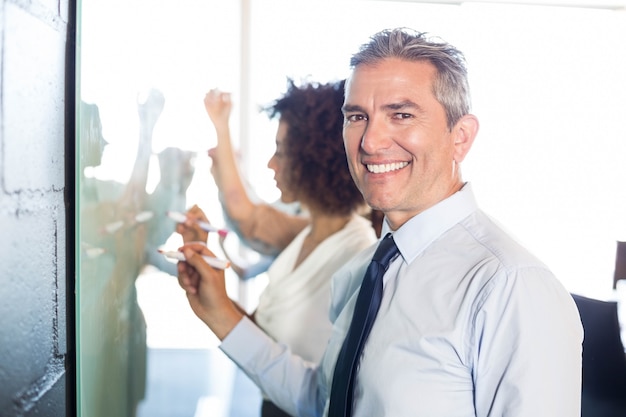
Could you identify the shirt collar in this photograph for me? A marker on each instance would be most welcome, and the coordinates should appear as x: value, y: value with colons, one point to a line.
x: 420, y: 231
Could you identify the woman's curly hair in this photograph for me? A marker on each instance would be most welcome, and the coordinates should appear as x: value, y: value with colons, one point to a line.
x: 314, y: 150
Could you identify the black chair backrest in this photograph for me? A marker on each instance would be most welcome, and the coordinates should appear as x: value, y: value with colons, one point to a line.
x: 620, y: 263
x: 604, y: 358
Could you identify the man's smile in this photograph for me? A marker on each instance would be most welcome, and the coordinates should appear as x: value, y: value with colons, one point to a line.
x: 382, y: 168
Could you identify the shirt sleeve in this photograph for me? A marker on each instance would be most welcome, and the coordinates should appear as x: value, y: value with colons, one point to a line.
x: 286, y: 379
x: 529, y: 347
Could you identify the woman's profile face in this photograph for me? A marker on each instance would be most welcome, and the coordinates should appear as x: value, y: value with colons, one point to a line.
x: 278, y: 163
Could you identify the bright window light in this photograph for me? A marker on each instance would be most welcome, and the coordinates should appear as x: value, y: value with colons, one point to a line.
x: 548, y: 88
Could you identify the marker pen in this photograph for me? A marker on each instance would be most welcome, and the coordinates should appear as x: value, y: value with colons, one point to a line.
x: 179, y: 256
x: 144, y: 216
x: 206, y: 226
x: 113, y: 227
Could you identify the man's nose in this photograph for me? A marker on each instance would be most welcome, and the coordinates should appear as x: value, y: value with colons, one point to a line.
x: 376, y: 136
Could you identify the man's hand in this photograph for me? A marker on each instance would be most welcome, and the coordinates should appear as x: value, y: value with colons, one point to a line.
x: 206, y: 290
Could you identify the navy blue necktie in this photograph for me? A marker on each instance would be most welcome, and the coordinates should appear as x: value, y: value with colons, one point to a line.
x: 365, y: 310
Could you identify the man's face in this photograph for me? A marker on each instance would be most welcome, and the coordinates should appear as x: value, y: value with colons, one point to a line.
x: 400, y: 151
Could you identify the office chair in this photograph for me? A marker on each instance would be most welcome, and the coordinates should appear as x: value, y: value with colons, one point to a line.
x: 620, y: 263
x: 604, y: 359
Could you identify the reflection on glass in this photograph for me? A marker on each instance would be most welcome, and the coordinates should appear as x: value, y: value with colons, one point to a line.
x: 120, y: 227
x: 143, y: 68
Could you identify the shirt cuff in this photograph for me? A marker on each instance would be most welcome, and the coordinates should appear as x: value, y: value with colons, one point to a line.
x: 244, y: 342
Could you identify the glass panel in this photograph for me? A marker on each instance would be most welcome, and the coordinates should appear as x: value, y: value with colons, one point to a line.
x: 143, y: 68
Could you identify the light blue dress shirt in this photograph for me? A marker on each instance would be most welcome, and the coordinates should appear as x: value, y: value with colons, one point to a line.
x: 471, y: 324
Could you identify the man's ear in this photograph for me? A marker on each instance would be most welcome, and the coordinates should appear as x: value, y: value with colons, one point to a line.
x: 464, y: 132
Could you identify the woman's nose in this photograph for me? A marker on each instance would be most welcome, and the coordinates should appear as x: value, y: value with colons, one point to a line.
x: 271, y: 164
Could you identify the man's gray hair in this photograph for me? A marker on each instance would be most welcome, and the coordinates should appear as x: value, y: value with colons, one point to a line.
x: 451, y: 87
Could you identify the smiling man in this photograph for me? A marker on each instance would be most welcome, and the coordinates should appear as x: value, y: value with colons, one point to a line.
x: 404, y: 154
x: 455, y: 318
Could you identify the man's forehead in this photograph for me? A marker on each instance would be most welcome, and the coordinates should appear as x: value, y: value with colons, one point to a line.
x: 392, y: 69
x: 390, y: 80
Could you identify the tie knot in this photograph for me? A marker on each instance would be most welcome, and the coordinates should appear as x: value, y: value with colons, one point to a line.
x: 386, y: 250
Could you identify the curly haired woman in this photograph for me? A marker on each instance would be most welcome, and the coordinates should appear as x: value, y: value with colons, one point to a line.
x: 310, y: 168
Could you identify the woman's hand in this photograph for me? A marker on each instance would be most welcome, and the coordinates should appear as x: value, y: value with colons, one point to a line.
x: 218, y: 106
x: 190, y: 230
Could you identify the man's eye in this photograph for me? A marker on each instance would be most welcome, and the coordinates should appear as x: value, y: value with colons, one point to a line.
x: 355, y: 117
x: 402, y: 116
